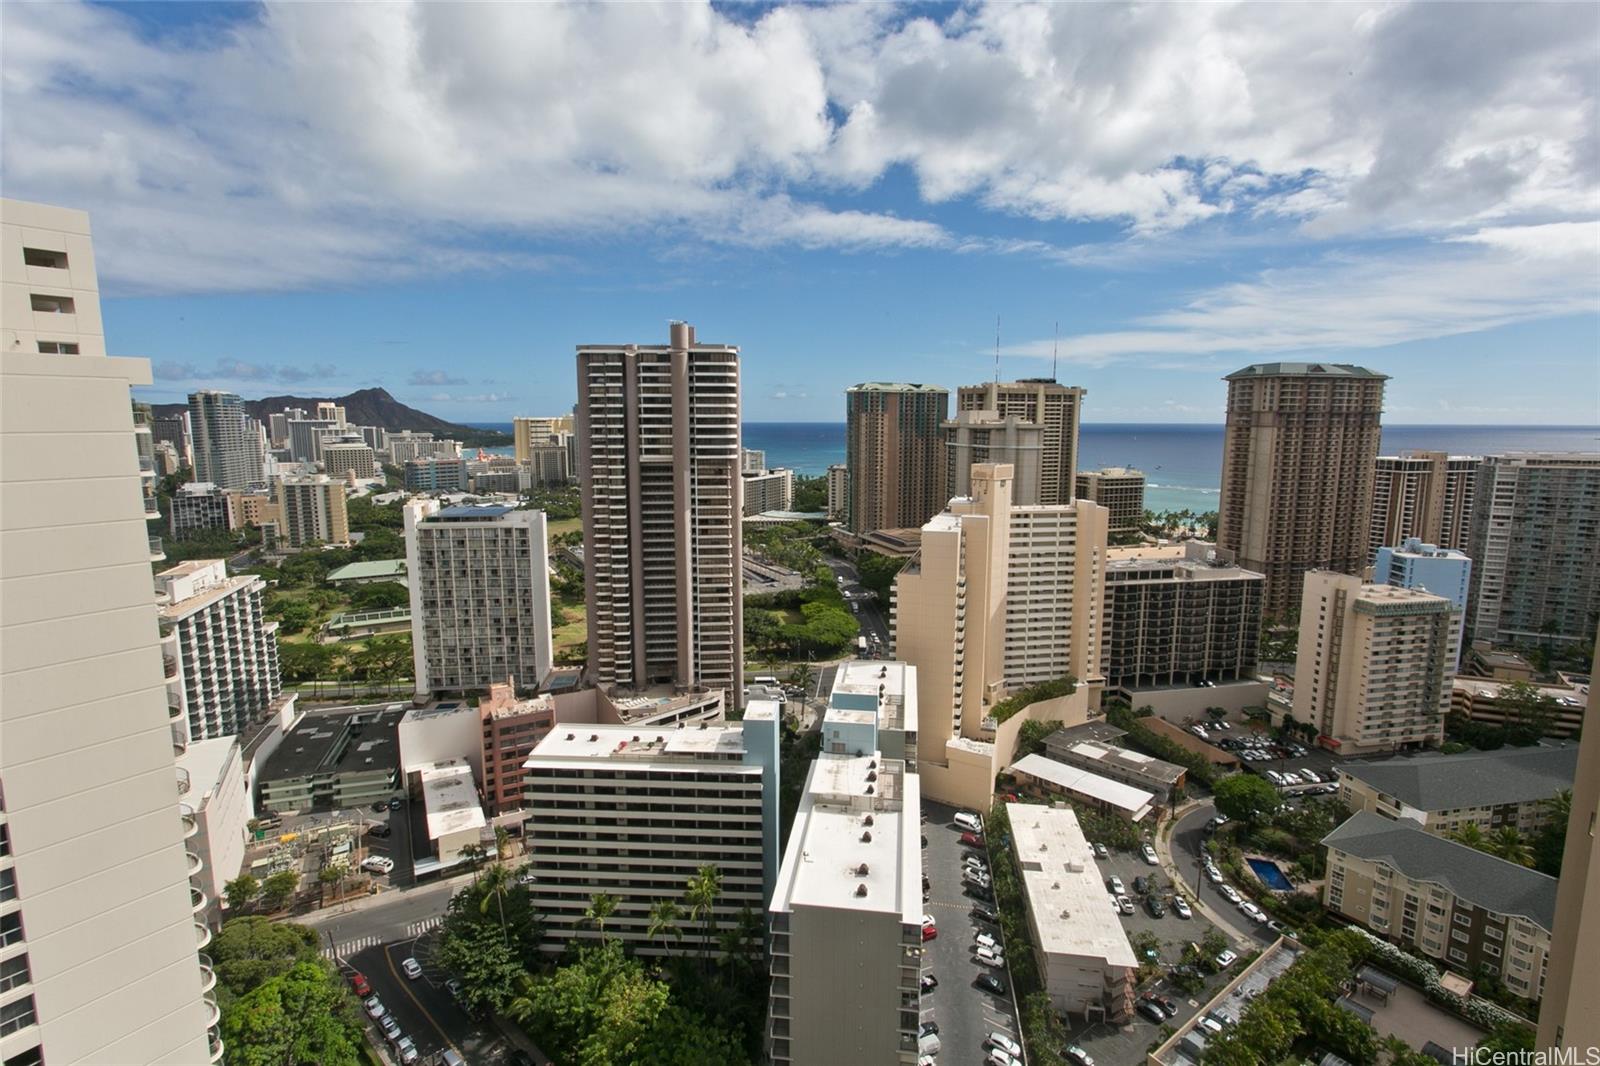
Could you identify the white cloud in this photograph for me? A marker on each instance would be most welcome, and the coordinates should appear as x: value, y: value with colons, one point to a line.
x: 329, y: 143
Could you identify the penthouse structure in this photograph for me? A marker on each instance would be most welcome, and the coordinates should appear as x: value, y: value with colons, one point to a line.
x: 220, y: 652
x: 1511, y: 787
x: 635, y: 811
x: 1084, y: 957
x: 978, y: 436
x: 1425, y: 495
x: 1374, y: 664
x: 1441, y: 571
x: 480, y: 596
x: 1297, y: 472
x: 872, y: 707
x: 1055, y: 408
x: 311, y: 510
x: 997, y: 598
x: 98, y: 924
x: 1468, y: 910
x: 1179, y: 615
x: 658, y: 446
x: 846, y: 917
x: 1535, y: 547
x: 1119, y: 490
x: 894, y: 454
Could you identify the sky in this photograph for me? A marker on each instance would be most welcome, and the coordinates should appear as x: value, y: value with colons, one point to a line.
x: 445, y: 199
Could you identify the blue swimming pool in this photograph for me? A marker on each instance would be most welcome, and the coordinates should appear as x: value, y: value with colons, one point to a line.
x: 1270, y: 874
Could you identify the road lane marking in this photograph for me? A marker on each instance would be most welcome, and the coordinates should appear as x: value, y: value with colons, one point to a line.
x: 405, y: 986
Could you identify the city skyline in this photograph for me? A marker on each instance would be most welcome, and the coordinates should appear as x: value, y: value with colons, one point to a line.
x: 1234, y: 197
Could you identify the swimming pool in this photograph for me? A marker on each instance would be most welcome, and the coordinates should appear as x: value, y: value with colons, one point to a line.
x: 1270, y: 874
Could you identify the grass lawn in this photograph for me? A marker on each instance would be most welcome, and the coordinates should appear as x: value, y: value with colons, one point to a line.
x: 575, y: 632
x: 556, y: 526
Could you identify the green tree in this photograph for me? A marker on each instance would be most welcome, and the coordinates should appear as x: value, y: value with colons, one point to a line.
x: 701, y: 894
x: 1246, y: 797
x: 479, y: 955
x: 1526, y: 707
x: 1509, y: 1037
x: 1509, y: 844
x: 878, y: 573
x: 240, y: 891
x: 299, y: 1018
x: 601, y: 906
x: 251, y: 950
x: 1551, y: 840
x: 1471, y: 835
x: 279, y: 889
x: 294, y: 616
x: 379, y: 596
x: 664, y: 915
x: 1030, y: 738
x: 332, y: 875
x: 302, y: 662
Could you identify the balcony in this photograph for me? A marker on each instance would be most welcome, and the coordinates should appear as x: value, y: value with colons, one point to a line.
x: 183, y: 780
x: 152, y: 507
x: 157, y: 552
x: 202, y: 936
x: 208, y: 976
x: 197, y: 900
x: 213, y: 1012
x: 196, y: 864
x: 191, y: 824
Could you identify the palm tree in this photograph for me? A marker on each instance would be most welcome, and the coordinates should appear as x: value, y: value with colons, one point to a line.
x: 474, y: 854
x: 701, y: 895
x: 601, y: 906
x: 502, y: 837
x: 1397, y: 1048
x: 664, y: 915
x: 1507, y: 843
x: 1471, y: 836
x: 495, y: 883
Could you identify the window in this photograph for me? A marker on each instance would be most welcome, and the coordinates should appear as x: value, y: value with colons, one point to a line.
x: 10, y: 929
x: 5, y: 839
x: 41, y: 257
x: 14, y: 1016
x: 1492, y: 950
x: 14, y: 972
x: 1458, y: 955
x: 34, y: 1056
x: 52, y: 305
x: 8, y: 884
x: 58, y: 347
x: 1462, y: 919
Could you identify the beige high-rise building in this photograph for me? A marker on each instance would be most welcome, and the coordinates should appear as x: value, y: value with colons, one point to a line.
x: 327, y: 409
x: 998, y: 598
x: 529, y: 432
x: 1119, y: 490
x: 1046, y: 403
x: 1297, y: 472
x: 770, y: 490
x: 894, y: 450
x: 349, y: 457
x: 838, y: 490
x: 1426, y: 495
x: 1374, y: 664
x: 987, y: 437
x: 312, y: 510
x: 658, y: 448
x: 98, y: 924
x: 1567, y: 1017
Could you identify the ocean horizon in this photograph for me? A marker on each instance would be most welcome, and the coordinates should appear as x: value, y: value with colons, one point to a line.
x: 1182, y: 461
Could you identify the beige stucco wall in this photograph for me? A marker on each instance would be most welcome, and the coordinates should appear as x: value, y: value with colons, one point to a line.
x: 1187, y: 703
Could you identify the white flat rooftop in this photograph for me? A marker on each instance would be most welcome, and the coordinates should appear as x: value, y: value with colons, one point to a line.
x: 854, y: 851
x: 451, y: 798
x: 204, y: 760
x: 1063, y: 887
x: 639, y: 742
x: 1075, y: 779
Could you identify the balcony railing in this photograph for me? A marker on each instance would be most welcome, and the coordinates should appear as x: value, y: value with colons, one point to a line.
x: 191, y: 824
x: 215, y: 1041
x: 183, y: 780
x: 170, y: 664
x: 157, y: 552
x: 196, y: 864
x: 197, y: 900
x: 202, y: 935
x: 208, y: 975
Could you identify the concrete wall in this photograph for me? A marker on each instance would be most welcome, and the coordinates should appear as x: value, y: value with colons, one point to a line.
x: 1185, y: 704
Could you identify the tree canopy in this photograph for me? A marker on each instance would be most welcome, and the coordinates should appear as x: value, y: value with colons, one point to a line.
x: 302, y: 1017
x: 1245, y: 797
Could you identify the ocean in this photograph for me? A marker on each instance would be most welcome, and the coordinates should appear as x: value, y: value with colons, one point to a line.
x: 1182, y: 463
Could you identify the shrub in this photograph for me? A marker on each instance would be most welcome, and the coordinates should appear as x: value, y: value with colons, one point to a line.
x: 1047, y: 690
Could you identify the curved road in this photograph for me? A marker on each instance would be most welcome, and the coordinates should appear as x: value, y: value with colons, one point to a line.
x: 1183, y: 865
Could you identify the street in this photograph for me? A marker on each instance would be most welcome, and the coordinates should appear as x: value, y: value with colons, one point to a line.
x: 862, y: 601
x: 1187, y: 838
x: 348, y: 927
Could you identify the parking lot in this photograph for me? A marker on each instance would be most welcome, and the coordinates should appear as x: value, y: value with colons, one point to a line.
x: 1280, y: 758
x: 964, y: 1013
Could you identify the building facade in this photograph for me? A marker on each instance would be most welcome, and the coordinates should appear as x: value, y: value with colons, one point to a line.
x: 349, y: 457
x: 1297, y: 472
x: 221, y: 653
x: 198, y: 506
x: 658, y: 445
x: 1054, y: 408
x: 838, y: 490
x: 1535, y: 548
x: 1426, y: 495
x: 311, y: 510
x: 637, y: 818
x: 770, y: 490
x: 1463, y: 908
x: 1119, y: 490
x: 1374, y: 664
x: 987, y: 437
x: 1510, y: 787
x: 511, y: 729
x: 480, y: 596
x: 224, y: 452
x: 219, y: 802
x: 1179, y: 615
x: 434, y: 474
x: 530, y: 432
x: 98, y: 932
x: 1481, y: 699
x: 1441, y: 571
x: 895, y: 455
x: 306, y: 436
x: 846, y: 918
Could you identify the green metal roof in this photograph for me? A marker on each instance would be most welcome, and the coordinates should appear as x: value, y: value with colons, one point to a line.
x: 368, y: 570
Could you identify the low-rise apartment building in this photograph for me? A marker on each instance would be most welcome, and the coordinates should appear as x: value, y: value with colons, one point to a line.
x: 218, y: 808
x: 1510, y: 787
x: 343, y: 759
x: 1480, y: 700
x: 846, y: 918
x: 1083, y: 954
x: 436, y: 474
x: 1046, y: 778
x: 1118, y: 489
x: 1130, y: 767
x: 219, y: 650
x: 635, y: 811
x: 1467, y: 909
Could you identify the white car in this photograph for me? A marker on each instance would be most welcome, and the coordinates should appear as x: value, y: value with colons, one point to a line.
x: 984, y: 940
x: 1114, y: 886
x: 1275, y: 777
x: 1228, y: 893
x: 927, y: 920
x: 1292, y: 778
x: 377, y: 864
x: 997, y: 1057
x: 1226, y: 959
x: 1100, y: 852
x: 975, y: 877
x: 1180, y: 907
x: 375, y: 1008
x: 1005, y: 1043
x: 972, y: 862
x: 1149, y: 855
x: 407, y: 1050
x: 929, y: 1044
x: 1309, y: 777
x: 1213, y: 874
x: 412, y: 968
x: 1210, y: 1025
x: 1124, y: 905
x: 991, y: 958
x: 1252, y: 911
x: 969, y: 821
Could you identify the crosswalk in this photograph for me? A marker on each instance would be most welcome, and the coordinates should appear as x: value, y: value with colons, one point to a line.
x: 345, y: 949
x: 427, y: 925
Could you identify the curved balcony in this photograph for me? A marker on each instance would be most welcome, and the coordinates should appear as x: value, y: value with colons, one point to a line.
x: 174, y: 711
x: 170, y: 664
x: 183, y: 779
x: 216, y: 1046
x: 180, y: 738
x: 197, y: 900
x: 213, y: 1012
x: 157, y: 552
x: 202, y: 935
x: 208, y: 975
x: 195, y: 863
x: 191, y: 824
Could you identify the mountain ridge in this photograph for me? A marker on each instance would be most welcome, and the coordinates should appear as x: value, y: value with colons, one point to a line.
x: 365, y: 407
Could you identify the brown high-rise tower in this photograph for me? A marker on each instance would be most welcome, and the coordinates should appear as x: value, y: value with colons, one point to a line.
x: 1297, y: 472
x: 894, y: 455
x: 658, y: 452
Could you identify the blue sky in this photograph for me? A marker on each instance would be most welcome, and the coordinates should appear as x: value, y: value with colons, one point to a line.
x: 445, y: 200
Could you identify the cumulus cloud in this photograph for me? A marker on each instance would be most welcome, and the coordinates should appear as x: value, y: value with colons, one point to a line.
x: 233, y: 371
x: 434, y: 377
x: 318, y: 143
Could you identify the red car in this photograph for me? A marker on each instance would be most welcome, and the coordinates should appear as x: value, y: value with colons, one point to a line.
x: 972, y: 840
x: 358, y: 985
x: 929, y: 932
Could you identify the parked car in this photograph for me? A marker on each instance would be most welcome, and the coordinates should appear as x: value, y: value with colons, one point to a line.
x: 1100, y: 852
x: 1253, y: 911
x: 390, y: 1027
x: 1217, y: 1014
x: 1149, y: 854
x: 928, y: 1045
x: 1213, y: 874
x: 929, y: 933
x: 1152, y: 1012
x: 359, y: 985
x: 1124, y: 904
x: 969, y: 821
x: 980, y: 892
x: 380, y: 806
x: 996, y: 1057
x: 1078, y: 1056
x: 928, y: 982
x: 1226, y: 959
x: 1005, y: 1043
x: 1210, y: 1025
x: 988, y: 982
x: 972, y: 862
x: 395, y: 805
x: 1114, y: 885
x: 986, y: 914
x: 1141, y: 885
x: 377, y: 864
x: 1221, y: 819
x: 1180, y: 907
x: 1152, y: 904
x: 374, y: 1007
x: 407, y: 1050
x: 985, y: 940
x: 975, y: 877
x: 929, y: 1026
x: 972, y: 840
x: 991, y: 958
x: 412, y: 968
x: 453, y: 987
x: 1229, y: 893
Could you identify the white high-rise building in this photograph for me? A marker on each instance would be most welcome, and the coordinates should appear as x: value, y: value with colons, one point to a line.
x: 770, y: 490
x: 225, y: 446
x: 220, y: 652
x: 1441, y: 571
x: 480, y: 596
x: 98, y: 928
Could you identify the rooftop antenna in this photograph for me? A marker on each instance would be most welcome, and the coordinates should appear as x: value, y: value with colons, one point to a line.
x: 1055, y: 345
x: 997, y: 349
